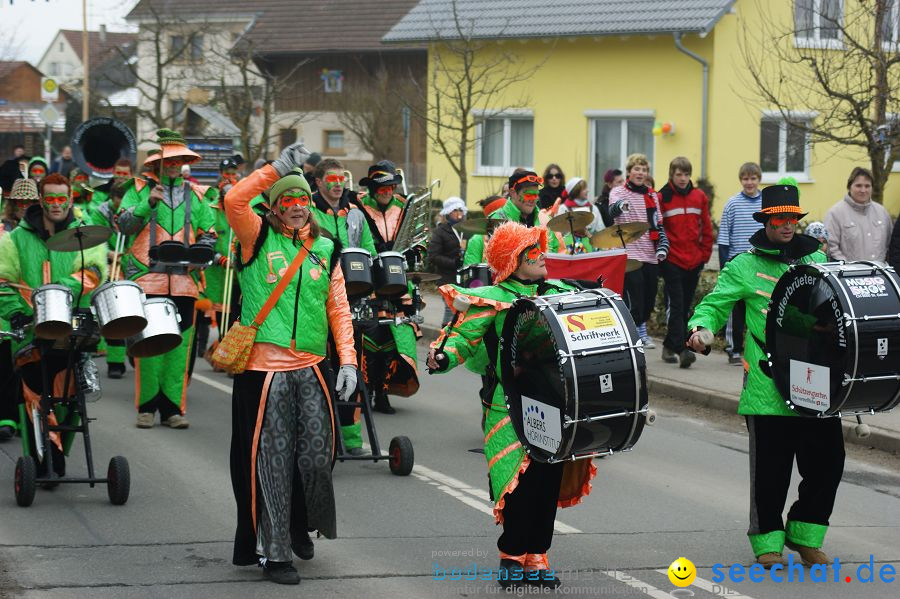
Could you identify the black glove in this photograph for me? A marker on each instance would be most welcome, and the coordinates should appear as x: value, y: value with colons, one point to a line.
x: 20, y: 320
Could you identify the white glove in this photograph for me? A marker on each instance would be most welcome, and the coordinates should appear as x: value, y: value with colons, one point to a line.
x: 661, y: 255
x: 346, y: 382
x: 291, y: 157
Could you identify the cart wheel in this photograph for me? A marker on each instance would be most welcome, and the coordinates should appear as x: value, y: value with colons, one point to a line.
x: 402, y: 456
x: 862, y: 430
x: 118, y: 480
x: 26, y: 473
x: 651, y: 417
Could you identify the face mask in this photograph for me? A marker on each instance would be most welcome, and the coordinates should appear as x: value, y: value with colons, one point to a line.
x: 55, y: 199
x: 777, y: 222
x: 530, y: 197
x: 334, y: 181
x: 293, y: 198
x: 533, y: 254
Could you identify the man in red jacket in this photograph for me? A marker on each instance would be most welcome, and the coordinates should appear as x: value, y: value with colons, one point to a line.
x: 685, y: 212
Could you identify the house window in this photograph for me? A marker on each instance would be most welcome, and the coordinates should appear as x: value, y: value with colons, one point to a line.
x: 614, y: 139
x: 178, y: 110
x: 197, y: 48
x: 817, y: 22
x: 54, y: 69
x: 61, y: 47
x: 890, y: 27
x: 783, y: 150
x: 333, y: 141
x: 178, y: 47
x: 504, y: 143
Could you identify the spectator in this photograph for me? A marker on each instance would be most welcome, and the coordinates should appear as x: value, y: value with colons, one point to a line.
x: 685, y: 216
x: 10, y: 171
x: 64, y: 164
x: 612, y: 178
x: 735, y: 229
x: 446, y: 246
x: 636, y: 202
x: 554, y: 184
x: 858, y: 228
x: 817, y: 229
x: 309, y: 168
x: 575, y: 199
x: 18, y: 151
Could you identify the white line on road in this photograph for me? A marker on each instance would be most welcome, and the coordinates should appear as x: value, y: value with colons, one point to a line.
x: 214, y: 384
x: 715, y: 589
x: 639, y: 585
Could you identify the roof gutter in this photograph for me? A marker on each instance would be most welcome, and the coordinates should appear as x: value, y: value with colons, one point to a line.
x: 705, y: 106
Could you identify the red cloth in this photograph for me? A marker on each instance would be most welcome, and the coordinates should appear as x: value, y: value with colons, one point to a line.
x: 610, y: 264
x: 686, y: 222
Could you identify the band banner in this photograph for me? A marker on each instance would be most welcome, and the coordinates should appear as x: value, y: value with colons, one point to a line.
x: 609, y: 264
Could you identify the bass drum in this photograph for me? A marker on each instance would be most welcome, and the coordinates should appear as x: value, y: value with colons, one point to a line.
x: 574, y: 374
x: 833, y: 338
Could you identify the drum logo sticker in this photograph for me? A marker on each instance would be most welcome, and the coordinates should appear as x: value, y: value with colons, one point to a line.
x: 606, y: 383
x: 810, y: 385
x: 882, y: 347
x: 588, y: 330
x: 357, y: 266
x: 540, y: 423
x: 867, y: 287
x: 394, y: 269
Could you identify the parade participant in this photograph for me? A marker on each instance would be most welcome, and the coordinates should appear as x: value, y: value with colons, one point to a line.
x: 685, y: 218
x: 25, y: 265
x: 283, y: 437
x: 150, y: 214
x: 337, y: 209
x: 389, y: 366
x: 81, y: 194
x: 228, y: 175
x: 526, y: 492
x: 121, y: 171
x: 211, y: 306
x: 575, y: 199
x: 24, y: 193
x: 37, y: 169
x: 104, y: 214
x: 637, y: 202
x: 777, y: 434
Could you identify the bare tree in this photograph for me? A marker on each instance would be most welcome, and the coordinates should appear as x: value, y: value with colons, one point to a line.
x: 469, y: 75
x: 250, y: 101
x: 847, y: 76
x: 374, y: 112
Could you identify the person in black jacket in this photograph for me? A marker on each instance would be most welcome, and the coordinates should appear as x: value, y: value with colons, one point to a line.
x: 894, y: 248
x: 446, y: 246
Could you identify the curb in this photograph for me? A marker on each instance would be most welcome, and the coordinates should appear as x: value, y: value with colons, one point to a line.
x: 727, y: 402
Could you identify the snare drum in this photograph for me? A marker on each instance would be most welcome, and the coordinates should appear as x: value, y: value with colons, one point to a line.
x: 474, y: 275
x: 833, y: 338
x: 119, y: 307
x: 52, y: 311
x: 574, y: 375
x: 162, y: 333
x: 200, y: 254
x: 169, y: 252
x: 356, y: 264
x: 389, y: 274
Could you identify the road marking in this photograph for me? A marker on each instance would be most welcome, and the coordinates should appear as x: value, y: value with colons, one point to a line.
x: 476, y: 498
x: 214, y: 384
x: 715, y: 589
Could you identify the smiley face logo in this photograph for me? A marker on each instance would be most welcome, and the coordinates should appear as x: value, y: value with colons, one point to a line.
x: 682, y: 572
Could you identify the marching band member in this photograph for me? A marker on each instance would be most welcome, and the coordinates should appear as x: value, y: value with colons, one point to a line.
x: 150, y: 214
x: 37, y: 169
x: 777, y: 435
x: 526, y: 493
x: 23, y: 194
x: 104, y: 214
x: 25, y: 261
x: 389, y: 351
x: 283, y: 437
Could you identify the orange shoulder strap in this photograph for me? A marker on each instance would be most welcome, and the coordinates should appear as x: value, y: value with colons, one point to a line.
x: 282, y: 285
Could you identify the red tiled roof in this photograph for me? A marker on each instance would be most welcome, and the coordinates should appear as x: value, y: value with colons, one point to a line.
x: 98, y: 45
x: 297, y: 26
x: 9, y: 66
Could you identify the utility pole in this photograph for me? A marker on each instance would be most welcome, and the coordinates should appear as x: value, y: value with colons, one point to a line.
x: 85, y: 84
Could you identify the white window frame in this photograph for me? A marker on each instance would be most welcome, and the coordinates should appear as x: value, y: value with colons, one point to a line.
x: 803, y: 176
x: 507, y: 116
x: 894, y: 46
x: 621, y: 115
x: 815, y: 41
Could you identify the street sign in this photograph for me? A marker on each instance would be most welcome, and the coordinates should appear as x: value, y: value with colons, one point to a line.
x: 49, y: 89
x: 49, y: 114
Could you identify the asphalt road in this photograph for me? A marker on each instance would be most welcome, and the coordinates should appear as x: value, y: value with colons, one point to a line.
x: 682, y: 491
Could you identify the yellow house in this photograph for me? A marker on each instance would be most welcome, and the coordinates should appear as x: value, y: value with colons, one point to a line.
x: 601, y: 75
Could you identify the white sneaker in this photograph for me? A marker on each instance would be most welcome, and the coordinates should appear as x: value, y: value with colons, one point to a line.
x: 145, y: 420
x: 648, y: 342
x: 176, y: 421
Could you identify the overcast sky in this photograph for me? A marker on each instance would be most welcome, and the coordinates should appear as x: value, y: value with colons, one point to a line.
x: 28, y: 26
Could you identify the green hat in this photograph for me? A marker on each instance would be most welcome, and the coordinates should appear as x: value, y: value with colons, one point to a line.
x: 291, y: 181
x: 36, y: 159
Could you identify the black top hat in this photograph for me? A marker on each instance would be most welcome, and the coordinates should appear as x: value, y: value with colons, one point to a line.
x: 380, y: 174
x: 779, y: 199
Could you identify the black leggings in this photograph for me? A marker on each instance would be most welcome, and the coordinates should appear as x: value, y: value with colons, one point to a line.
x: 640, y: 291
x: 530, y: 510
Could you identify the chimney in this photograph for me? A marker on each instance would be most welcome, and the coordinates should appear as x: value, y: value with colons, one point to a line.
x: 103, y: 33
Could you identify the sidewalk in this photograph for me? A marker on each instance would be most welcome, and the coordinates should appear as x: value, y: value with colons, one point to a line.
x: 710, y: 382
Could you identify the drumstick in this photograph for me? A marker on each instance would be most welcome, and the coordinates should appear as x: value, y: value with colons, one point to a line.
x: 461, y: 305
x: 229, y: 276
x: 113, y: 275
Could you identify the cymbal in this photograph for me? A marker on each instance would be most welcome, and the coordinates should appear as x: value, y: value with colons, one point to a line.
x: 569, y: 221
x: 479, y: 226
x: 609, y: 237
x: 89, y: 236
x: 422, y: 277
x: 631, y: 264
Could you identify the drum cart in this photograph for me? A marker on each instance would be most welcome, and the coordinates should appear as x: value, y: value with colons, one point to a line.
x: 118, y: 476
x: 400, y: 455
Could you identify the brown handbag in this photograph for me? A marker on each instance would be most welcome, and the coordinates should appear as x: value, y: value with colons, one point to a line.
x: 233, y: 351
